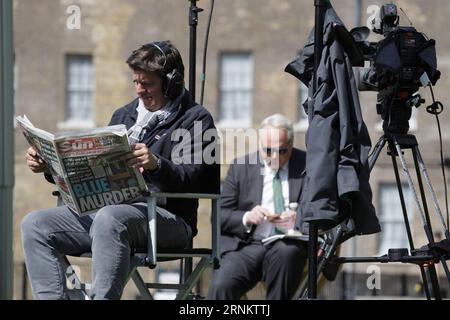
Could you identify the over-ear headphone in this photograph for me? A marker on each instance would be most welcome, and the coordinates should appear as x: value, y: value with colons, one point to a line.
x: 174, y: 81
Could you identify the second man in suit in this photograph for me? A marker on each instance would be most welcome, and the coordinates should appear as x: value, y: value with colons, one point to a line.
x: 258, y: 201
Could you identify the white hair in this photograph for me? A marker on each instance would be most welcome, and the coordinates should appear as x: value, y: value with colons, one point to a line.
x: 279, y: 121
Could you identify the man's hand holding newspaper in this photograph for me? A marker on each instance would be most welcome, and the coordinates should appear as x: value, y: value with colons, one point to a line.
x: 35, y: 162
x: 141, y: 157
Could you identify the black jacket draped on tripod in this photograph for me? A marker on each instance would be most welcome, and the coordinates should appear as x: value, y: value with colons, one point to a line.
x: 337, y: 140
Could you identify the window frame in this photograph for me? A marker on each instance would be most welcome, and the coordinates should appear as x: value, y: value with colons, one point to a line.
x: 235, y: 122
x: 70, y: 121
x: 396, y: 219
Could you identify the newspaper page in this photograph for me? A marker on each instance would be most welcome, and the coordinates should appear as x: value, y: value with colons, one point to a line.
x: 290, y: 234
x: 96, y: 171
x: 92, y: 169
x: 43, y: 142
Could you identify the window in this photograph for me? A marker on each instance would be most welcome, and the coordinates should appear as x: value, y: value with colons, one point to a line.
x: 302, y: 117
x: 393, y: 232
x: 79, y: 92
x: 236, y: 85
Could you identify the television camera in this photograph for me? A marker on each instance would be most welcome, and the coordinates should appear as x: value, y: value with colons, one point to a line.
x: 400, y: 63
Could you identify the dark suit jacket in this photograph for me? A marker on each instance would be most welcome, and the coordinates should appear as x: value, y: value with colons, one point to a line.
x: 242, y: 191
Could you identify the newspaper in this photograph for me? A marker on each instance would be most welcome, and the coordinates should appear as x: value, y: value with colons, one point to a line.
x: 88, y: 166
x: 290, y: 234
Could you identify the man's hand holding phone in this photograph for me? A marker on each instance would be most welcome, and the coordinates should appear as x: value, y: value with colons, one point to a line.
x: 285, y: 220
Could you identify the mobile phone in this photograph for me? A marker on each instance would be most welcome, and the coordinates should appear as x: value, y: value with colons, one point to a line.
x: 272, y: 217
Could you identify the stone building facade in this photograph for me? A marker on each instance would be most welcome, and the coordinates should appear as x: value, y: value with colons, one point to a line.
x: 71, y: 53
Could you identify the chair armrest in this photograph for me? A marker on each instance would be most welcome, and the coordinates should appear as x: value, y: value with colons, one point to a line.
x: 210, y: 196
x: 151, y: 258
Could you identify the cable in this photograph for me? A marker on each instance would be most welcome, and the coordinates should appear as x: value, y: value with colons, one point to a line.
x: 436, y: 108
x: 205, y: 51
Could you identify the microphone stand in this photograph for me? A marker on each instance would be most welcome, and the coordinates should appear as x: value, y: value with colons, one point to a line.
x: 193, y: 22
x: 320, y: 9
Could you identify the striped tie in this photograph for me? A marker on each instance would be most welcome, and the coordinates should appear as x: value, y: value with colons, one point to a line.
x: 278, y: 200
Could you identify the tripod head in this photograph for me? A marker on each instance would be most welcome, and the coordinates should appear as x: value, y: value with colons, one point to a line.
x: 395, y: 107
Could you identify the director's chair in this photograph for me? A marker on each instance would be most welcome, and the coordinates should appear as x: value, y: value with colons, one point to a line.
x: 150, y: 256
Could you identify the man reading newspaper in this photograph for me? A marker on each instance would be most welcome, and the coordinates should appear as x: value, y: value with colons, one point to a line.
x: 166, y: 130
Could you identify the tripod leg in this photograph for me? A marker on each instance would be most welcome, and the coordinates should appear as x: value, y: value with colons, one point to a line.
x: 426, y: 288
x: 376, y: 152
x: 400, y: 190
x: 424, y: 215
x: 419, y: 163
x: 427, y: 227
x: 413, y: 188
x: 434, y: 282
x: 395, y: 147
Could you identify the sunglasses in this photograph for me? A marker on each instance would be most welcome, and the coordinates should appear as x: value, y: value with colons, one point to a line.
x: 280, y: 151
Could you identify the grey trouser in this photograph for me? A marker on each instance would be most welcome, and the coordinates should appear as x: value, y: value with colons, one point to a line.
x: 49, y: 234
x: 279, y: 265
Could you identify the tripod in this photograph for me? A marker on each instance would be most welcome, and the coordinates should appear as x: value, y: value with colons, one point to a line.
x: 425, y: 257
